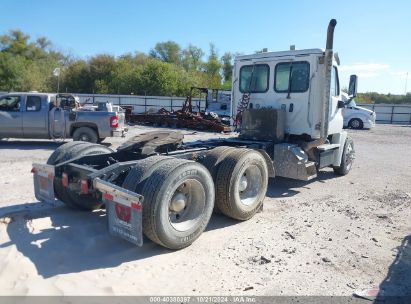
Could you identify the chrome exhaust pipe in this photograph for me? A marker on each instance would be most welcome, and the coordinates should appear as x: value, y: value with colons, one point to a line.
x: 328, y: 59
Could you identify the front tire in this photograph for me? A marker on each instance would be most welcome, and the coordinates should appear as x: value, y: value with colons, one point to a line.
x: 347, y: 158
x: 356, y: 124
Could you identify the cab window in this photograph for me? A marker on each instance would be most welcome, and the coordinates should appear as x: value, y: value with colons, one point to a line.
x: 299, y: 72
x: 254, y: 78
x: 33, y: 104
x: 10, y: 103
x: 335, y: 84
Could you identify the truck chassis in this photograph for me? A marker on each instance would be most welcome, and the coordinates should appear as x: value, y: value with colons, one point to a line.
x: 156, y: 184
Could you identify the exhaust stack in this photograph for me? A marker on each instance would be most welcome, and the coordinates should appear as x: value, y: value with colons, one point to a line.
x: 328, y: 59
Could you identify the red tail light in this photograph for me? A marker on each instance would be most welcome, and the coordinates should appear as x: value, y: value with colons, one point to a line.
x: 108, y: 196
x: 114, y: 121
x: 84, y: 186
x: 64, y: 180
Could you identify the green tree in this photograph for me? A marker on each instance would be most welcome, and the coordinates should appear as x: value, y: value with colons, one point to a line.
x: 168, y: 51
x: 77, y: 78
x: 11, y: 71
x: 127, y: 72
x: 227, y: 62
x: 191, y: 57
x: 162, y: 78
x: 26, y: 65
x: 212, y: 68
x: 101, y: 67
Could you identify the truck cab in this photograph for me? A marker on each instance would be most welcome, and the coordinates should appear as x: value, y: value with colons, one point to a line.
x: 292, y: 81
x: 294, y: 99
x: 22, y: 115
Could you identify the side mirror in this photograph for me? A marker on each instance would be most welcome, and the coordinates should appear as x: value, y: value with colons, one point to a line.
x: 352, y: 88
x: 341, y: 104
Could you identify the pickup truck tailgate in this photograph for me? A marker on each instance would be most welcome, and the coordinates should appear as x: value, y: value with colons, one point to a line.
x: 121, y: 119
x: 124, y: 211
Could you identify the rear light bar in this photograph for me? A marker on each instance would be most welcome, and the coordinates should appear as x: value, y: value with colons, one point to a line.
x: 114, y: 122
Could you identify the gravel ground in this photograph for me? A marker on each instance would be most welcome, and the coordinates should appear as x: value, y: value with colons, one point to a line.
x: 330, y: 236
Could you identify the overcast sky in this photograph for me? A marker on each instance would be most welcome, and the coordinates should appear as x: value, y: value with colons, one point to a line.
x: 371, y: 37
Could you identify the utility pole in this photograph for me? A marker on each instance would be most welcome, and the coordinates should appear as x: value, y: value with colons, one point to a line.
x: 56, y: 73
x: 406, y: 80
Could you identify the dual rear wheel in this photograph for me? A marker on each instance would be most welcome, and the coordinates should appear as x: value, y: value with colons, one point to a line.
x: 179, y: 195
x: 178, y: 199
x: 241, y: 179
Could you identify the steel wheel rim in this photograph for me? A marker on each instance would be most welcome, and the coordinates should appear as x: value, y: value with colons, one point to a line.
x: 349, y: 156
x: 249, y: 185
x: 186, y: 205
x: 84, y: 137
x: 355, y: 124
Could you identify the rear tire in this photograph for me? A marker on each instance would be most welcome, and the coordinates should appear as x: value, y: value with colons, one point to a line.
x: 212, y: 162
x: 178, y: 203
x: 214, y: 157
x: 85, y: 134
x: 64, y: 153
x: 241, y: 184
x: 137, y: 176
x: 69, y: 151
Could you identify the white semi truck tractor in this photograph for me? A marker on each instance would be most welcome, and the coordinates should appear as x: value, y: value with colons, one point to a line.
x: 287, y: 107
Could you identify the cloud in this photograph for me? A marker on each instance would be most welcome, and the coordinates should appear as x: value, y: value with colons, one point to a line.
x: 400, y: 74
x: 366, y: 70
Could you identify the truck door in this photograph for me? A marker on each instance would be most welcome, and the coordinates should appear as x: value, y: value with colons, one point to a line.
x: 335, y: 123
x: 11, y: 116
x: 35, y: 117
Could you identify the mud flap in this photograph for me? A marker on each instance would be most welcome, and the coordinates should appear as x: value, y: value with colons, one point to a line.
x: 43, y: 178
x: 124, y: 211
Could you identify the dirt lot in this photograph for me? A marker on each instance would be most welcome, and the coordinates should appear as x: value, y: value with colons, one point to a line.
x: 330, y: 236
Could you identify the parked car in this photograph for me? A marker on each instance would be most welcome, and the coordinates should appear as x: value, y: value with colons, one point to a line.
x: 47, y: 116
x: 356, y: 117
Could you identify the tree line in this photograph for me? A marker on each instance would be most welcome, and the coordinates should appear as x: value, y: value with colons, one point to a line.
x: 167, y: 70
x: 373, y: 97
